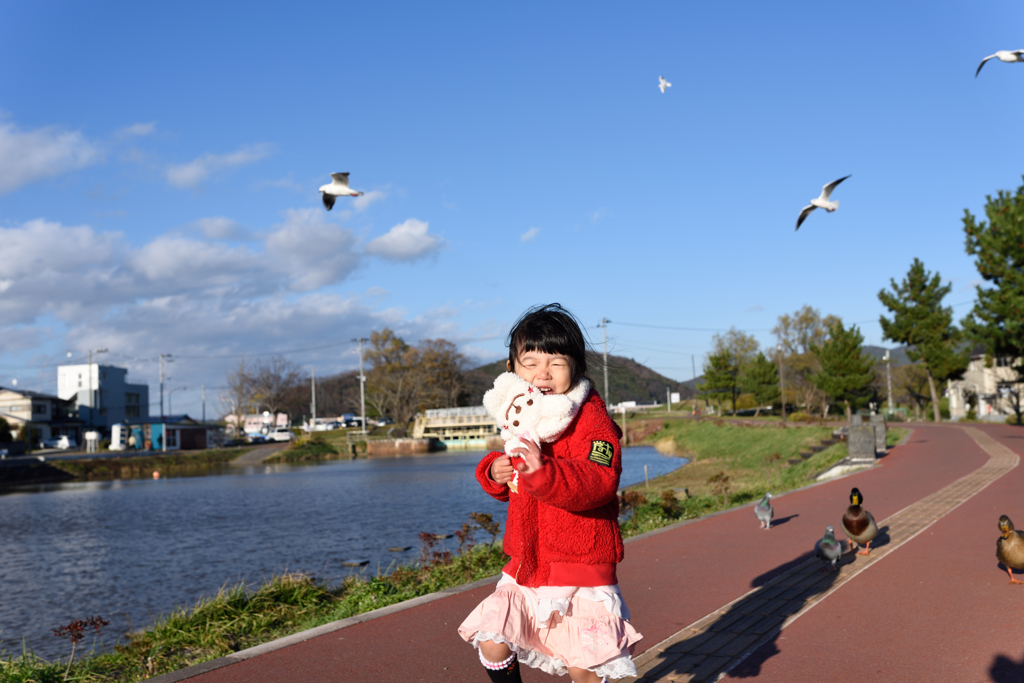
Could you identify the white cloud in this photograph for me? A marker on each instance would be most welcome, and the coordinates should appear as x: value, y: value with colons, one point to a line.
x: 221, y: 228
x: 28, y: 156
x: 363, y: 202
x: 137, y: 130
x: 529, y: 235
x: 194, y: 172
x: 406, y: 241
x: 311, y: 251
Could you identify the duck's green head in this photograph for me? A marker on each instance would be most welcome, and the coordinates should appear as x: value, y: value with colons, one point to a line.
x: 855, y: 497
x: 1005, y: 526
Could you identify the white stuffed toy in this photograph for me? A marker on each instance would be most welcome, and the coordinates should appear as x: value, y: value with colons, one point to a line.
x: 522, y: 411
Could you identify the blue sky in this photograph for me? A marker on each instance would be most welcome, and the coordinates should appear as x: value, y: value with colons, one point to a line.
x: 159, y: 168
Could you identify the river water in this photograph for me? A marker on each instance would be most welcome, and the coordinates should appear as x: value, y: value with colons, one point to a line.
x: 134, y: 549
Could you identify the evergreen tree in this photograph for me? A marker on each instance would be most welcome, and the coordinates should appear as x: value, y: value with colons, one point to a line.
x: 5, y: 431
x: 921, y: 323
x: 719, y: 377
x: 997, y: 320
x: 846, y: 373
x: 761, y: 378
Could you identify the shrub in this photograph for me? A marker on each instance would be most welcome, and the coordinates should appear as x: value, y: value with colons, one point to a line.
x: 801, y: 416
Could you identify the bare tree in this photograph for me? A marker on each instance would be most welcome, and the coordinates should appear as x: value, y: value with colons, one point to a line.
x: 271, y: 380
x: 239, y: 393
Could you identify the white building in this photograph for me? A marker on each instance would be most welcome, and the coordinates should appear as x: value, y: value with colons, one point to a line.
x: 104, y: 396
x: 989, y: 380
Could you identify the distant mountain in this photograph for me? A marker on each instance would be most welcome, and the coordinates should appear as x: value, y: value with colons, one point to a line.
x: 627, y: 381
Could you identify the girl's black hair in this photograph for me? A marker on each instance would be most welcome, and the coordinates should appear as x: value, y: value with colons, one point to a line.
x: 549, y: 329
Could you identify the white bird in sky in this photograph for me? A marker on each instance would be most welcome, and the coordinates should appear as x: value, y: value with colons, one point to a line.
x: 337, y: 188
x: 821, y: 202
x: 1003, y: 56
x: 662, y: 83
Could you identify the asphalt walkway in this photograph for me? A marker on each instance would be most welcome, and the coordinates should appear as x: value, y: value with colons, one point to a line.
x: 719, y: 597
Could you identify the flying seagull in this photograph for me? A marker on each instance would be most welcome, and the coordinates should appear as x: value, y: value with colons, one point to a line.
x: 1002, y: 56
x: 338, y: 188
x: 662, y: 83
x: 821, y: 202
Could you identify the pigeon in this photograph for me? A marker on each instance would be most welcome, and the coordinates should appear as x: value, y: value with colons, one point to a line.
x: 858, y: 524
x: 1003, y: 56
x: 662, y: 84
x: 821, y: 202
x: 338, y: 188
x: 828, y: 548
x: 764, y: 511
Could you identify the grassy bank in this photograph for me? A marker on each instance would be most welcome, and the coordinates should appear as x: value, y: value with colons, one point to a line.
x: 333, y: 445
x: 730, y: 465
x: 174, y: 464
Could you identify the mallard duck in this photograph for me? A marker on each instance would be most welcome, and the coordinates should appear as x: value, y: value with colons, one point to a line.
x: 764, y: 511
x: 858, y: 524
x: 828, y: 548
x: 1010, y: 547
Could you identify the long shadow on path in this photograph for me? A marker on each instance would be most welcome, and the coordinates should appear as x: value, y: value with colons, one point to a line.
x: 716, y: 643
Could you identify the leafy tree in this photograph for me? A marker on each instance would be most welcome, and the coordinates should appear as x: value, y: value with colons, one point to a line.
x: 926, y: 327
x: 444, y: 368
x: 720, y: 376
x: 5, y: 431
x: 910, y: 386
x: 846, y: 373
x: 806, y: 328
x: 761, y: 378
x: 997, y: 320
x: 394, y: 383
x: 742, y: 346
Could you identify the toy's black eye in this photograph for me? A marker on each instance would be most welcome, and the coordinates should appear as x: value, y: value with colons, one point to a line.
x: 516, y: 423
x: 530, y: 402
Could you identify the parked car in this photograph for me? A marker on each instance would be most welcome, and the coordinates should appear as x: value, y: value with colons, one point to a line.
x: 63, y: 442
x: 384, y: 421
x: 280, y: 434
x: 256, y: 438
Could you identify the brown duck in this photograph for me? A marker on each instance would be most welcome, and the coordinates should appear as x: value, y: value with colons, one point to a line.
x: 858, y: 524
x: 1010, y: 547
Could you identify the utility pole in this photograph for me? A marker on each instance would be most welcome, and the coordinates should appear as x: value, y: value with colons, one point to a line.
x: 668, y: 400
x: 604, y: 340
x: 362, y: 383
x: 204, y: 404
x: 312, y: 378
x: 92, y: 399
x: 164, y: 357
x: 888, y: 380
x: 782, y: 386
x: 696, y: 398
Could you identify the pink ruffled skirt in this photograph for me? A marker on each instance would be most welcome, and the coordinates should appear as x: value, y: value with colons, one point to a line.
x: 588, y: 629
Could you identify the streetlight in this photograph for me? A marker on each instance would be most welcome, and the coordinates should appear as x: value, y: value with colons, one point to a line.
x: 170, y: 410
x: 782, y: 386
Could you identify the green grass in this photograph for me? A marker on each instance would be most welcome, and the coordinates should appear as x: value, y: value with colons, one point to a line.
x: 175, y: 463
x: 730, y: 465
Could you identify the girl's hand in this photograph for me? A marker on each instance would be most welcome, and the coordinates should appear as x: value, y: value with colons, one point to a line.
x: 502, y: 470
x: 531, y: 460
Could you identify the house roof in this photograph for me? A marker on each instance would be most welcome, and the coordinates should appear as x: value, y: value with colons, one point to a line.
x: 31, y: 394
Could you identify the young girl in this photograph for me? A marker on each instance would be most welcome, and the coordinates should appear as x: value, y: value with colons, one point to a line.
x: 557, y: 606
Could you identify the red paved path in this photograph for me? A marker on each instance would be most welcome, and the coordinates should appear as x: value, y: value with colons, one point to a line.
x: 885, y: 619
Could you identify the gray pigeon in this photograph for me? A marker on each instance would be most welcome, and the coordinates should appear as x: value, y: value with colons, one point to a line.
x: 764, y: 511
x: 828, y: 548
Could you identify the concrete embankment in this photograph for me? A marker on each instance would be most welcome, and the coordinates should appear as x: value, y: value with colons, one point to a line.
x: 29, y: 470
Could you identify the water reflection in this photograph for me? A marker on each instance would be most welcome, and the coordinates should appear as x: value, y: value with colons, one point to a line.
x: 133, y: 549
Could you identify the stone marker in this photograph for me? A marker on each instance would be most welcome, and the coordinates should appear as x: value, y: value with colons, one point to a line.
x: 861, y: 442
x: 878, y: 422
x: 856, y: 419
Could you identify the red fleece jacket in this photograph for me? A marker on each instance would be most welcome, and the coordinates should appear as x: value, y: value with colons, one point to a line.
x: 562, y: 527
